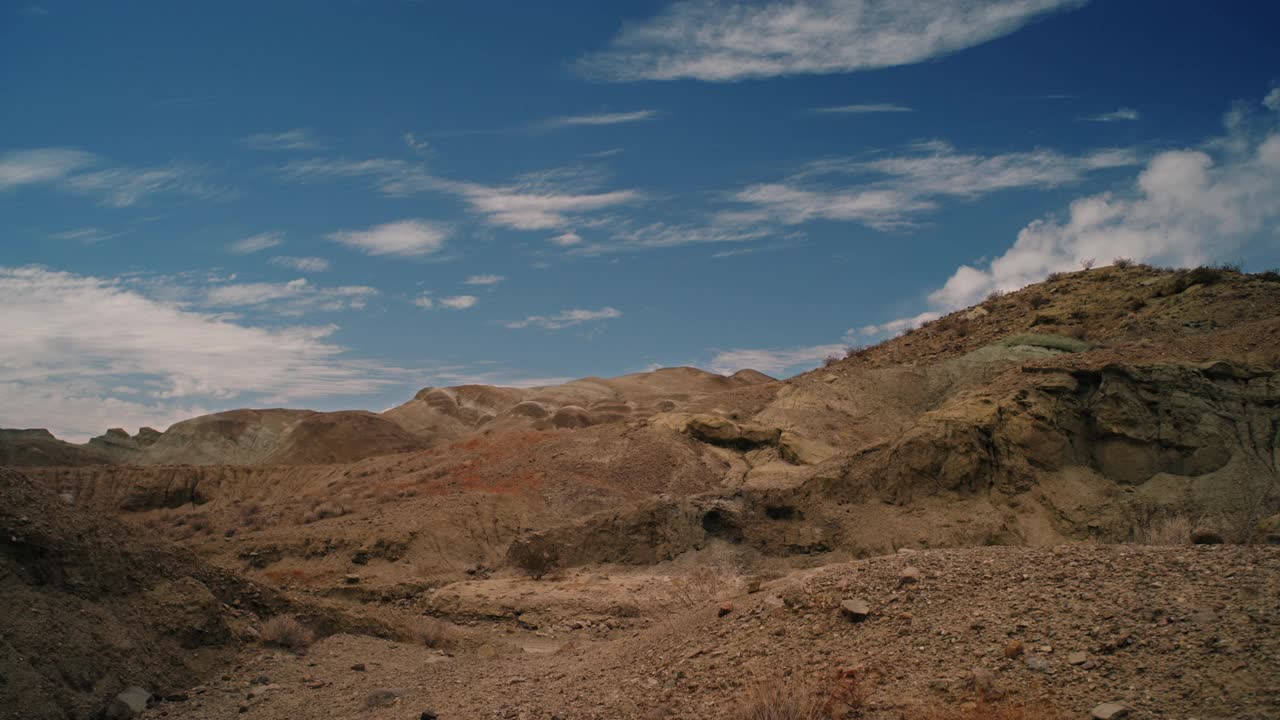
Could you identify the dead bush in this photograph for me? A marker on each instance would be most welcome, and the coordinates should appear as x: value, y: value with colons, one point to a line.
x: 1122, y: 263
x: 436, y: 633
x: 1165, y: 530
x: 701, y: 586
x: 780, y: 699
x: 285, y: 631
x: 1036, y: 301
x: 830, y: 360
x: 324, y: 511
x: 1087, y: 263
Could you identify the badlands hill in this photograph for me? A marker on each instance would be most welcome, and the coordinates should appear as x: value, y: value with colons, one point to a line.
x: 830, y: 536
x: 434, y: 415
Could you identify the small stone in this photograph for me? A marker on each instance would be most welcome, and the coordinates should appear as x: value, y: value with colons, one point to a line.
x: 352, y: 579
x: 983, y: 682
x: 358, y: 667
x: 128, y: 704
x: 725, y: 609
x: 1013, y: 649
x: 1109, y: 711
x: 260, y: 680
x: 1077, y: 658
x: 1035, y: 662
x: 909, y: 576
x: 856, y: 609
x: 428, y: 714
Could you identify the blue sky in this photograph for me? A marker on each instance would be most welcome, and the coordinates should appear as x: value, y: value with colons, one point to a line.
x: 330, y: 205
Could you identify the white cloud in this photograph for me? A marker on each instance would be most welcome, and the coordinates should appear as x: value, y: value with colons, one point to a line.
x: 256, y: 243
x: 458, y: 302
x: 484, y: 279
x: 625, y: 235
x: 723, y: 40
x: 523, y: 207
x: 294, y: 297
x: 424, y: 301
x: 892, y: 191
x: 301, y: 264
x: 774, y: 361
x: 296, y: 139
x: 1272, y: 100
x: 1186, y: 207
x: 405, y: 238
x: 397, y: 178
x: 893, y: 327
x: 599, y: 119
x: 864, y: 109
x: 566, y: 318
x: 74, y: 343
x: 1122, y: 114
x: 32, y: 167
x: 567, y: 239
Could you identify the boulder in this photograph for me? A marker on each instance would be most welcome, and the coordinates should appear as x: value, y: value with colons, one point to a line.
x: 1206, y: 536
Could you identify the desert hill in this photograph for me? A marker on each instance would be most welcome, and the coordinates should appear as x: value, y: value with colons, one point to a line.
x: 1070, y: 422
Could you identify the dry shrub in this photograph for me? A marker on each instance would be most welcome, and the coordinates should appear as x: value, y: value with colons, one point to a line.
x: 323, y: 511
x: 1037, y: 301
x: 994, y: 296
x: 1087, y: 263
x: 780, y: 699
x: 1165, y: 530
x: 285, y: 631
x: 832, y: 359
x: 1122, y: 262
x: 699, y: 587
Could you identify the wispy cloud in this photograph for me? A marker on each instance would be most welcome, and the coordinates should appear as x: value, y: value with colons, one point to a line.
x: 484, y: 279
x: 864, y: 109
x: 889, y: 193
x: 288, y: 298
x: 567, y: 239
x: 301, y: 264
x: 566, y: 318
x: 296, y: 139
x: 619, y: 118
x: 257, y: 243
x: 417, y: 144
x: 43, y: 165
x: 86, y: 235
x: 84, y: 353
x: 34, y: 11
x: 544, y: 200
x: 1120, y: 115
x: 405, y: 238
x: 774, y: 361
x: 80, y: 172
x: 723, y: 40
x: 458, y: 302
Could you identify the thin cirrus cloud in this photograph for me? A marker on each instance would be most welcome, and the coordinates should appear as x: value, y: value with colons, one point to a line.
x: 296, y: 139
x: 294, y: 297
x: 1120, y: 115
x: 301, y: 264
x: 256, y: 243
x: 84, y: 173
x: 723, y: 40
x: 404, y: 238
x: 84, y: 353
x: 566, y: 318
x: 1186, y: 207
x: 863, y: 109
x: 892, y: 192
x: 597, y: 119
x: 548, y: 200
x: 487, y: 279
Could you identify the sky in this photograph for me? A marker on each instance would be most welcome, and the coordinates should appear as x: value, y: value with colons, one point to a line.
x: 331, y: 205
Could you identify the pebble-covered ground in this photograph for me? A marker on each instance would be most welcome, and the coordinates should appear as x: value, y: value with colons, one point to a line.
x: 1170, y: 632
